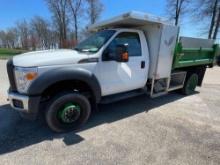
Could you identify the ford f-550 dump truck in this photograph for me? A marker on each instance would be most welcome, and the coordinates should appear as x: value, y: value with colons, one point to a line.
x: 132, y: 54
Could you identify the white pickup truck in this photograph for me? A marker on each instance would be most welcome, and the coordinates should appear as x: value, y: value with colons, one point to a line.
x: 129, y: 55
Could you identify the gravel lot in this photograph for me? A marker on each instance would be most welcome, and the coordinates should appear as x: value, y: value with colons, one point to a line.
x: 168, y: 130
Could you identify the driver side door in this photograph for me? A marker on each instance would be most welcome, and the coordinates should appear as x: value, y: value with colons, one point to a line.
x: 117, y: 77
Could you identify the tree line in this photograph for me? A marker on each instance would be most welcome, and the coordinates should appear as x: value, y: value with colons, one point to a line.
x: 203, y: 12
x: 63, y: 30
x: 69, y: 19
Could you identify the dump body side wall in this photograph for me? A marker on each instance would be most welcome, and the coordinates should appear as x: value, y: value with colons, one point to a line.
x: 187, y: 57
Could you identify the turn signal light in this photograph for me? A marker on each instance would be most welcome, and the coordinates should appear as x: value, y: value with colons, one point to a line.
x: 125, y: 56
x: 31, y: 76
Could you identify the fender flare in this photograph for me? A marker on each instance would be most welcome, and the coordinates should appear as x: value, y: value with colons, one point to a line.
x: 65, y: 74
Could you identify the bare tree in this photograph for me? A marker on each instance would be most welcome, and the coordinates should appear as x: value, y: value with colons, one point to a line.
x: 32, y: 40
x: 76, y: 10
x: 41, y: 29
x: 217, y: 26
x: 40, y: 33
x: 176, y: 9
x: 3, y: 39
x: 23, y: 32
x: 207, y: 11
x: 11, y: 37
x: 60, y: 16
x: 213, y: 10
x: 8, y: 38
x: 95, y: 8
x: 53, y: 36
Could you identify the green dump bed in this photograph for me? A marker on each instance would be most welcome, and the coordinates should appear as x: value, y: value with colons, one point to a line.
x: 192, y: 52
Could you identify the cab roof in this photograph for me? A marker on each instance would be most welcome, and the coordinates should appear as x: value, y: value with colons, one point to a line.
x: 129, y: 20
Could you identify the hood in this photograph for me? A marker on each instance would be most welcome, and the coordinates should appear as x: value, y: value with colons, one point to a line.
x: 48, y: 57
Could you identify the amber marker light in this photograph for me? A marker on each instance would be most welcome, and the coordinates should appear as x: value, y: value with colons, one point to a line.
x: 31, y: 76
x: 125, y: 56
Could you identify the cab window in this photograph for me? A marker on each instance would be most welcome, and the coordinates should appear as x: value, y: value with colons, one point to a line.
x: 130, y: 39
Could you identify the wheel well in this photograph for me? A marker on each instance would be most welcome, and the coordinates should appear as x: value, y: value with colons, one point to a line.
x: 200, y: 70
x: 68, y: 85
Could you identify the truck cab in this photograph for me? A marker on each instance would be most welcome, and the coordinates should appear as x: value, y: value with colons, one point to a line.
x: 123, y: 62
x: 127, y: 56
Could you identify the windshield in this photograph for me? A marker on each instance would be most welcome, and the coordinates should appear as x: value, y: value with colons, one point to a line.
x: 95, y: 42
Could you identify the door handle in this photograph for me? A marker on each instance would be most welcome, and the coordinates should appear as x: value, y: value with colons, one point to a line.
x: 142, y: 64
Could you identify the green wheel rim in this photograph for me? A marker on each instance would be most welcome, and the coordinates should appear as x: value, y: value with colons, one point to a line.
x: 192, y: 83
x: 69, y: 113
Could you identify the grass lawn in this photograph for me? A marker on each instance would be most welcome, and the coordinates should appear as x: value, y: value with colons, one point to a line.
x: 8, y: 53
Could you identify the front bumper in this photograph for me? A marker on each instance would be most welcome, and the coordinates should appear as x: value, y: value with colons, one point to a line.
x: 19, y: 102
x: 23, y: 103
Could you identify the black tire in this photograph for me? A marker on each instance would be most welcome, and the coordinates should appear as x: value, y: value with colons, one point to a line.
x: 218, y: 60
x: 57, y: 103
x: 190, y: 84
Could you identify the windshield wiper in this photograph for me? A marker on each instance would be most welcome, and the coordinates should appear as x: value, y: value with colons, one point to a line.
x: 77, y: 49
x: 85, y: 50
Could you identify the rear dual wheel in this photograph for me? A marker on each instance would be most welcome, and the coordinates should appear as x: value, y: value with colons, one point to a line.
x: 67, y: 112
x: 190, y: 84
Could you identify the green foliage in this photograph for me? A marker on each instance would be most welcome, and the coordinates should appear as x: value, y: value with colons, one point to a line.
x: 7, y: 53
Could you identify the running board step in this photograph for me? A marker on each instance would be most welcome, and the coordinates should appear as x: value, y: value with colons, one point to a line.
x: 173, y: 88
x: 155, y: 95
x: 122, y: 96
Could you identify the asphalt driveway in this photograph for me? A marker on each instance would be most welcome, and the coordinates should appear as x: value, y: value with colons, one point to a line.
x: 172, y: 129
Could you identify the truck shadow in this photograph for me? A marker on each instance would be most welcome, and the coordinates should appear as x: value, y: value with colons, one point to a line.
x: 17, y: 133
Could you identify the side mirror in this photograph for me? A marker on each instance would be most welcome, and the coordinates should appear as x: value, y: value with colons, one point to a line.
x: 119, y: 54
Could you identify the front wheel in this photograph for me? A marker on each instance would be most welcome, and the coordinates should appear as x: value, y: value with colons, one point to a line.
x: 190, y: 84
x: 67, y: 112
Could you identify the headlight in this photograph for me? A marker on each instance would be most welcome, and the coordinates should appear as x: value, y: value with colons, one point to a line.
x: 24, y: 77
